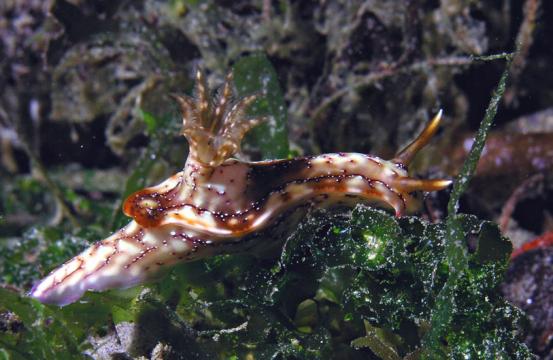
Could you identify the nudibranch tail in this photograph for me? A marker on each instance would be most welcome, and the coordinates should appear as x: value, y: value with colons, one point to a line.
x: 406, y: 155
x: 102, y: 266
x: 214, y: 130
x: 131, y: 256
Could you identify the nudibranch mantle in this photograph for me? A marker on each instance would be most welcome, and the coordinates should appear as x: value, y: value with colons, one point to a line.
x: 218, y: 204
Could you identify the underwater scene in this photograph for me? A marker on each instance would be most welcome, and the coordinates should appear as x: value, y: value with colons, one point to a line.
x: 276, y: 179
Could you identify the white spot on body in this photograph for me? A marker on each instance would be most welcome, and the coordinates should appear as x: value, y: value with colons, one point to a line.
x: 179, y: 246
x: 128, y: 247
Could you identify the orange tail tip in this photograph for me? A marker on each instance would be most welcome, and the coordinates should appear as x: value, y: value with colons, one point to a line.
x: 406, y: 155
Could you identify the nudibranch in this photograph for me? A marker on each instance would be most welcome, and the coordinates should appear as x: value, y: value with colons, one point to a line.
x: 219, y: 204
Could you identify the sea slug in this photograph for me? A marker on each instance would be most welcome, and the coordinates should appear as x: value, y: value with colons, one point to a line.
x: 218, y: 204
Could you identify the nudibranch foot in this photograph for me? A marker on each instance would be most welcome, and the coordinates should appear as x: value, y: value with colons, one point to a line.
x: 222, y: 205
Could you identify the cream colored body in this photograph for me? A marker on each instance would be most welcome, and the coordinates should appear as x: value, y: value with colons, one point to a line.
x: 220, y: 205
